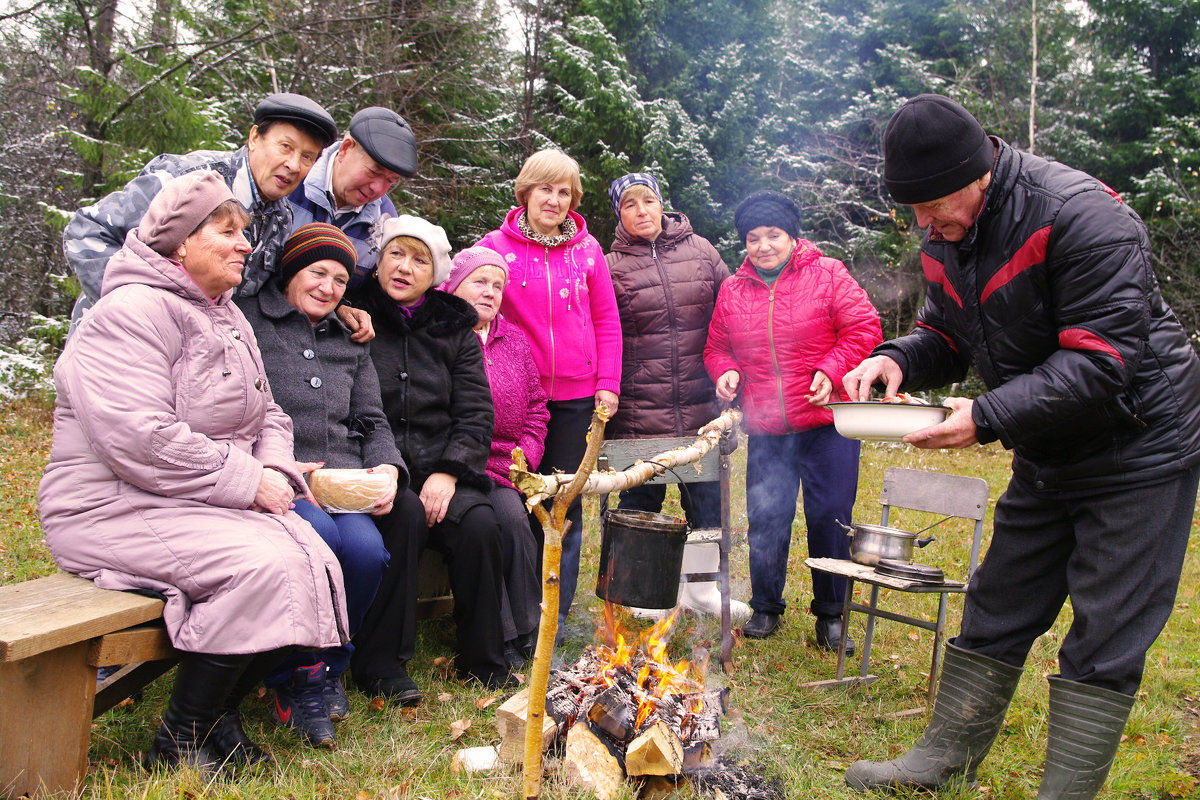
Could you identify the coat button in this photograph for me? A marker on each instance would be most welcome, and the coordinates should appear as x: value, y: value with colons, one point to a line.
x: 309, y: 354
x: 260, y: 384
x: 237, y: 334
x: 315, y: 382
x: 1040, y: 484
x: 403, y: 376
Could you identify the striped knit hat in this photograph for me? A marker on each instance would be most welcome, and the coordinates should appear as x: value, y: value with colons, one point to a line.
x: 315, y: 242
x: 621, y: 184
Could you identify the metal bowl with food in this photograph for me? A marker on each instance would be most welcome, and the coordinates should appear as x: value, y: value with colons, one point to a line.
x: 884, y: 422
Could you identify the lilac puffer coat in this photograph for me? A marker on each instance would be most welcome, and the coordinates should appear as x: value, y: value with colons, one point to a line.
x: 163, y: 425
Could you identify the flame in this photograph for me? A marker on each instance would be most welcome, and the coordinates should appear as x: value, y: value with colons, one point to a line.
x: 657, y: 678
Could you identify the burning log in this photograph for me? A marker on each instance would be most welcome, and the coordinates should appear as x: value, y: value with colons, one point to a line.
x: 538, y: 488
x: 610, y: 712
x: 590, y: 764
x: 655, y: 751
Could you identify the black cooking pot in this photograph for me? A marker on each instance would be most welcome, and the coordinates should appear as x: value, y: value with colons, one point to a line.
x: 870, y: 543
x: 641, y: 554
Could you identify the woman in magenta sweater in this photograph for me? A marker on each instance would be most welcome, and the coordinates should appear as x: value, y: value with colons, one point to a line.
x: 561, y: 295
x: 479, y: 277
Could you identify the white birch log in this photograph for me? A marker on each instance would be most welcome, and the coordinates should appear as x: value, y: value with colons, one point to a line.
x: 538, y: 488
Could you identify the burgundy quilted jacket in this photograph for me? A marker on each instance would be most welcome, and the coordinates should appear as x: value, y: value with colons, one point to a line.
x: 666, y: 292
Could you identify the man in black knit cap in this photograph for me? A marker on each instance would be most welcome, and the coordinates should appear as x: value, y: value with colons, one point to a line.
x: 1040, y: 277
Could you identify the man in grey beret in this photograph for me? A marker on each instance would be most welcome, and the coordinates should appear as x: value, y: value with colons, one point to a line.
x: 285, y: 141
x: 348, y: 185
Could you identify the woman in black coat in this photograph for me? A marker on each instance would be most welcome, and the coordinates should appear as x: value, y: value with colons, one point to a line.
x: 438, y: 403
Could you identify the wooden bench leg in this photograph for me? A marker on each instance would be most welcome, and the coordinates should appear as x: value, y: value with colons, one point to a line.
x: 45, y: 718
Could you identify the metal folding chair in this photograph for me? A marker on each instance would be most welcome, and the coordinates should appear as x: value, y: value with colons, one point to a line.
x: 934, y: 492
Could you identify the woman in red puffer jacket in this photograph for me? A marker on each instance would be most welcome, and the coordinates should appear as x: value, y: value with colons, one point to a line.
x: 788, y: 325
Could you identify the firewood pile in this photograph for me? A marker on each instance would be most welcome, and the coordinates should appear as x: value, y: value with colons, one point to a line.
x: 627, y: 713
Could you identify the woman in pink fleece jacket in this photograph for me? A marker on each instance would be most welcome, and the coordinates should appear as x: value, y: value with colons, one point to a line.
x: 560, y: 293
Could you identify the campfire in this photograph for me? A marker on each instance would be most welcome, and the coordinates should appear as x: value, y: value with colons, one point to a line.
x: 623, y: 711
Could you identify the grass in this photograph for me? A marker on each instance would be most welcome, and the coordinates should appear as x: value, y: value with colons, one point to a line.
x: 804, y: 737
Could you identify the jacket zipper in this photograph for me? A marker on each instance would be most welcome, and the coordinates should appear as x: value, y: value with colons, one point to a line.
x: 675, y: 391
x: 775, y: 356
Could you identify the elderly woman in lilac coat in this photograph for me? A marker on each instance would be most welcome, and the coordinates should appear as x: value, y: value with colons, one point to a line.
x: 171, y: 471
x: 479, y: 277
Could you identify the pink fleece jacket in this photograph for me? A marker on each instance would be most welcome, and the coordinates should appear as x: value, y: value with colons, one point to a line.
x: 562, y: 298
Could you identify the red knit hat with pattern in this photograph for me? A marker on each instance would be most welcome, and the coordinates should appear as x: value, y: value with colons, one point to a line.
x: 315, y: 242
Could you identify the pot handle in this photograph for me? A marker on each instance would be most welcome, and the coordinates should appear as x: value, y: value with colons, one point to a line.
x: 925, y: 541
x: 847, y: 528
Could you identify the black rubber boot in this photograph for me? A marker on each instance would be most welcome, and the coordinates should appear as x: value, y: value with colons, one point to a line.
x: 1086, y: 723
x: 972, y: 698
x: 228, y: 739
x: 202, y: 685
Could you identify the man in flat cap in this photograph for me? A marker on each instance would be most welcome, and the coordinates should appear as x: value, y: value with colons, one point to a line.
x: 348, y: 185
x: 1040, y: 277
x: 285, y: 141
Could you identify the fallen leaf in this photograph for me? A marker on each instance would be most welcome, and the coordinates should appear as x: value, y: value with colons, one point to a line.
x: 913, y: 636
x: 445, y: 697
x: 378, y: 704
x: 363, y: 796
x: 520, y: 676
x: 458, y: 728
x: 484, y: 702
x: 441, y: 661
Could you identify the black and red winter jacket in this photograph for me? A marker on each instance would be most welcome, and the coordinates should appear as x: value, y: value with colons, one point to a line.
x: 1052, y: 297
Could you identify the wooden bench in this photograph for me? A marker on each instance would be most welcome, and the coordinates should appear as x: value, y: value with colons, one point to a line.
x: 54, y: 633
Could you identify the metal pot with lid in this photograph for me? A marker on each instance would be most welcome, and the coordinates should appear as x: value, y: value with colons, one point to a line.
x: 870, y: 543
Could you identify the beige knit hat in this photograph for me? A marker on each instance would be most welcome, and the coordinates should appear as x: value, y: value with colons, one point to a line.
x: 434, y: 237
x: 179, y: 208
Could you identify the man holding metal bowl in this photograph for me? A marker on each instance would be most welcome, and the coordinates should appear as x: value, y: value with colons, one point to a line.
x: 1041, y: 278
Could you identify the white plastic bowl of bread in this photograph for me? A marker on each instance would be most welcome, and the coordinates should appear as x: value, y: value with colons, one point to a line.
x: 887, y: 420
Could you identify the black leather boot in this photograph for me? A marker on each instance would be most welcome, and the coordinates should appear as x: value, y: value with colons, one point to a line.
x: 1086, y: 723
x: 972, y: 699
x: 202, y: 685
x: 228, y: 739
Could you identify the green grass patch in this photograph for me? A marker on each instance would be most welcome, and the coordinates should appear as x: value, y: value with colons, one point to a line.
x: 804, y: 737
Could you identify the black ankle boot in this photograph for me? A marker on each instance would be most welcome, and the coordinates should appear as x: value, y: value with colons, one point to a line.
x: 228, y: 739
x: 203, y: 682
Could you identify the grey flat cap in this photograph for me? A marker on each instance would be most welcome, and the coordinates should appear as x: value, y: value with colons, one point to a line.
x: 387, y: 138
x: 297, y: 108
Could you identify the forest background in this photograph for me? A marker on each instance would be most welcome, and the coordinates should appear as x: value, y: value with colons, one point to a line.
x: 717, y: 98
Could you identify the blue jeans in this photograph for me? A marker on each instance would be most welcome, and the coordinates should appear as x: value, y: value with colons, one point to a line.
x: 1116, y: 552
x: 825, y: 466
x: 356, y: 542
x: 701, y: 501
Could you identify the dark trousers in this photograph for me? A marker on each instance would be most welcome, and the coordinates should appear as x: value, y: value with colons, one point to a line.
x: 1116, y: 552
x: 825, y: 466
x: 522, y: 596
x: 387, y: 637
x: 701, y: 501
x: 474, y: 559
x: 356, y: 542
x: 566, y: 443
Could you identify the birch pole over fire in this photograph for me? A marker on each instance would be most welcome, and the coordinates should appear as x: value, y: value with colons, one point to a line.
x: 539, y: 488
x: 553, y: 527
x: 563, y: 489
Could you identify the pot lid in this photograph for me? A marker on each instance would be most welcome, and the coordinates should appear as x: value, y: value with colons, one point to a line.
x: 910, y: 571
x: 884, y: 530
